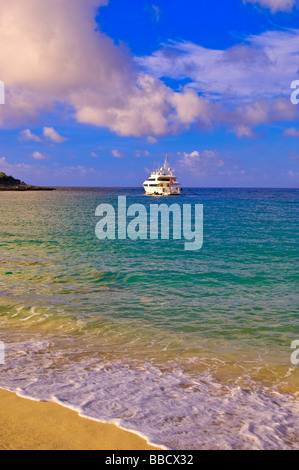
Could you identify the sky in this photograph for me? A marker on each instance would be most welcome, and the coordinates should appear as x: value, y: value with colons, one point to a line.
x: 98, y: 91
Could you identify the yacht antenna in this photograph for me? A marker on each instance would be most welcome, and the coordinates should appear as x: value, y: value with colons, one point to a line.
x: 165, y: 164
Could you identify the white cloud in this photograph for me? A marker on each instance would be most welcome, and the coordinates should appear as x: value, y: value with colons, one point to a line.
x: 209, y: 167
x: 40, y: 174
x: 27, y: 135
x: 201, y: 163
x: 156, y: 10
x: 57, y: 60
x: 38, y: 156
x: 53, y: 136
x: 48, y: 132
x: 78, y: 170
x: 18, y: 170
x: 248, y: 116
x: 292, y: 132
x: 67, y: 60
x: 116, y: 154
x: 261, y: 66
x: 94, y: 155
x: 142, y: 153
x: 151, y: 140
x: 190, y: 107
x: 242, y: 87
x: 293, y: 174
x: 275, y: 5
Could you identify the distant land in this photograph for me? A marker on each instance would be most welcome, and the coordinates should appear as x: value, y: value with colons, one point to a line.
x: 8, y: 183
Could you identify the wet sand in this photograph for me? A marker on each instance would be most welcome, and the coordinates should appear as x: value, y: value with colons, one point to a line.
x: 33, y: 425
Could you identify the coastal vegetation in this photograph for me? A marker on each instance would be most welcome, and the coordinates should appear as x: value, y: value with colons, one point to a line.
x: 9, y: 183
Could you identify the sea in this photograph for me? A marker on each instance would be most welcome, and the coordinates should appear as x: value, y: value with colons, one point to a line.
x: 189, y: 349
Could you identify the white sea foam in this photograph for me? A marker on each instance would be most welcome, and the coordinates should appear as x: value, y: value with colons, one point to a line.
x: 163, y: 404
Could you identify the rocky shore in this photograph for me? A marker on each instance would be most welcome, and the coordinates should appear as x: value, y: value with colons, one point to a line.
x: 8, y: 183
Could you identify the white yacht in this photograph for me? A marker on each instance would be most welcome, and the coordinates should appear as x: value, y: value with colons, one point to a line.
x: 162, y: 182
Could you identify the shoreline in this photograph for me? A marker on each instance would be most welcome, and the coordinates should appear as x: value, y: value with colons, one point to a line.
x: 28, y: 424
x: 25, y: 188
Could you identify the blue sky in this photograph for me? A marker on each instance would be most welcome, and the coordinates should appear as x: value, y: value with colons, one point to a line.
x: 98, y: 91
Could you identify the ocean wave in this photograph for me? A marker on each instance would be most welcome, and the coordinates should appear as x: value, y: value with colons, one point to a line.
x: 162, y: 402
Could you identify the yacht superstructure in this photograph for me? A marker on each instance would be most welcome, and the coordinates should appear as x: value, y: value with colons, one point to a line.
x: 162, y: 182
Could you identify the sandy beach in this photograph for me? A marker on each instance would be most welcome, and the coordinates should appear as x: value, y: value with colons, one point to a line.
x: 32, y: 425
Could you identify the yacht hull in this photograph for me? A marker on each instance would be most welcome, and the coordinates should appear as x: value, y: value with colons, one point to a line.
x: 162, y: 193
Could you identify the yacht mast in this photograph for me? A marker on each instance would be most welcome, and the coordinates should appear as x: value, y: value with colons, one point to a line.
x: 166, y: 164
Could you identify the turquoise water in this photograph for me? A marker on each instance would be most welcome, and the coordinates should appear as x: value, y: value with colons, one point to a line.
x: 191, y: 349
